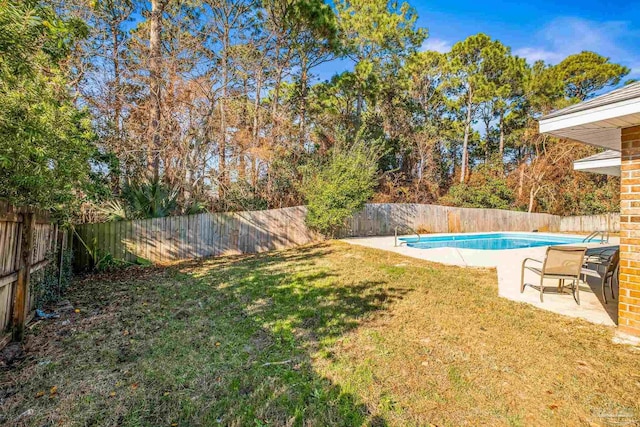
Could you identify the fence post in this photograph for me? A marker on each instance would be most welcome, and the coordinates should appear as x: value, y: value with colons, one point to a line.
x: 24, y: 274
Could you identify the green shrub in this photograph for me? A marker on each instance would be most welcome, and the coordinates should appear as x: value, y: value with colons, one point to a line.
x: 46, y: 143
x: 486, y: 189
x: 148, y: 199
x: 336, y: 189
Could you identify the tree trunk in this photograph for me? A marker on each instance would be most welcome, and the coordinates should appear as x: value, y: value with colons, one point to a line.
x: 359, y: 100
x: 276, y: 96
x: 465, y: 146
x: 155, y: 78
x: 487, y: 140
x: 501, y: 148
x: 521, y: 181
x: 532, y: 195
x: 303, y: 105
x: 117, y: 107
x: 256, y: 128
x: 244, y: 124
x: 187, y: 186
x: 222, y: 145
x: 359, y: 105
x: 256, y: 110
x: 276, y: 92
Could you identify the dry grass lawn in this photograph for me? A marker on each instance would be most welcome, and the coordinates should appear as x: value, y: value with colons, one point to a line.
x: 328, y: 334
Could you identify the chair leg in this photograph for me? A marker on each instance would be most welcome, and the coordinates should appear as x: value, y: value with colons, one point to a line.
x: 604, y: 286
x: 541, y: 288
x: 576, y: 290
x: 613, y: 295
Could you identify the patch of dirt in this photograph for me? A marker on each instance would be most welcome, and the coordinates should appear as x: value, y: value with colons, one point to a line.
x: 10, y: 355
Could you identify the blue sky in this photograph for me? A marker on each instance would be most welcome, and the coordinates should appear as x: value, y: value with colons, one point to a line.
x: 535, y: 29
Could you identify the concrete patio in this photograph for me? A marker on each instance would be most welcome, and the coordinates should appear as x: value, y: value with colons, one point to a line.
x: 508, y: 265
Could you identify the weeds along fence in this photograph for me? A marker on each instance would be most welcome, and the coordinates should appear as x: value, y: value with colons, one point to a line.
x: 29, y: 241
x: 169, y: 239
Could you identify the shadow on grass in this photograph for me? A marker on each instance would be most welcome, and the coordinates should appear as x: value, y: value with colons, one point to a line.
x: 226, y: 341
x: 285, y: 310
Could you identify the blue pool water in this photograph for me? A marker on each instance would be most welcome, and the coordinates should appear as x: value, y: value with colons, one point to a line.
x: 489, y: 241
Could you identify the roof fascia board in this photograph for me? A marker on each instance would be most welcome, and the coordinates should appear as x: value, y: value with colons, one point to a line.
x: 593, y: 164
x: 604, y: 112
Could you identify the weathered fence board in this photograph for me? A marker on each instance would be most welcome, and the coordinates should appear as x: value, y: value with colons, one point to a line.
x: 26, y: 239
x: 382, y: 219
x: 587, y: 223
x: 184, y: 237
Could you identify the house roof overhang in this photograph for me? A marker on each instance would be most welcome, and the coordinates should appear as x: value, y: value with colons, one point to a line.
x: 597, y: 121
x: 607, y: 163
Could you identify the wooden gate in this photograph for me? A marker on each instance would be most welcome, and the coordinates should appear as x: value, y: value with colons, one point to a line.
x: 27, y: 237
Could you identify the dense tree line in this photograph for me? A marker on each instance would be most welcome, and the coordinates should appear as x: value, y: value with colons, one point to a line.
x: 176, y: 106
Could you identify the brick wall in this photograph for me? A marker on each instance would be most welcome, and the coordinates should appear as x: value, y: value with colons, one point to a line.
x: 629, y: 304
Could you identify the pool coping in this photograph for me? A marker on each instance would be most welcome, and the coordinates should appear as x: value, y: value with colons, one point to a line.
x: 499, y: 233
x: 462, y: 257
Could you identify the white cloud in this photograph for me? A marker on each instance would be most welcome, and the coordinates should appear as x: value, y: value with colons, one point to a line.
x: 439, y: 45
x: 568, y: 35
x: 533, y: 54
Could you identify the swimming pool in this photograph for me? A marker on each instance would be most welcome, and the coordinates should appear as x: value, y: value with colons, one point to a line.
x: 488, y: 241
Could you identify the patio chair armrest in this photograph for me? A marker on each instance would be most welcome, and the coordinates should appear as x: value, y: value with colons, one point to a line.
x: 602, y: 253
x: 595, y: 251
x: 599, y: 258
x: 524, y: 261
x: 524, y: 265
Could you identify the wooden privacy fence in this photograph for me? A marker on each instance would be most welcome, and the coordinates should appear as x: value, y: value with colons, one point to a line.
x: 587, y: 223
x: 178, y: 238
x: 184, y: 237
x: 380, y: 219
x: 27, y: 237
